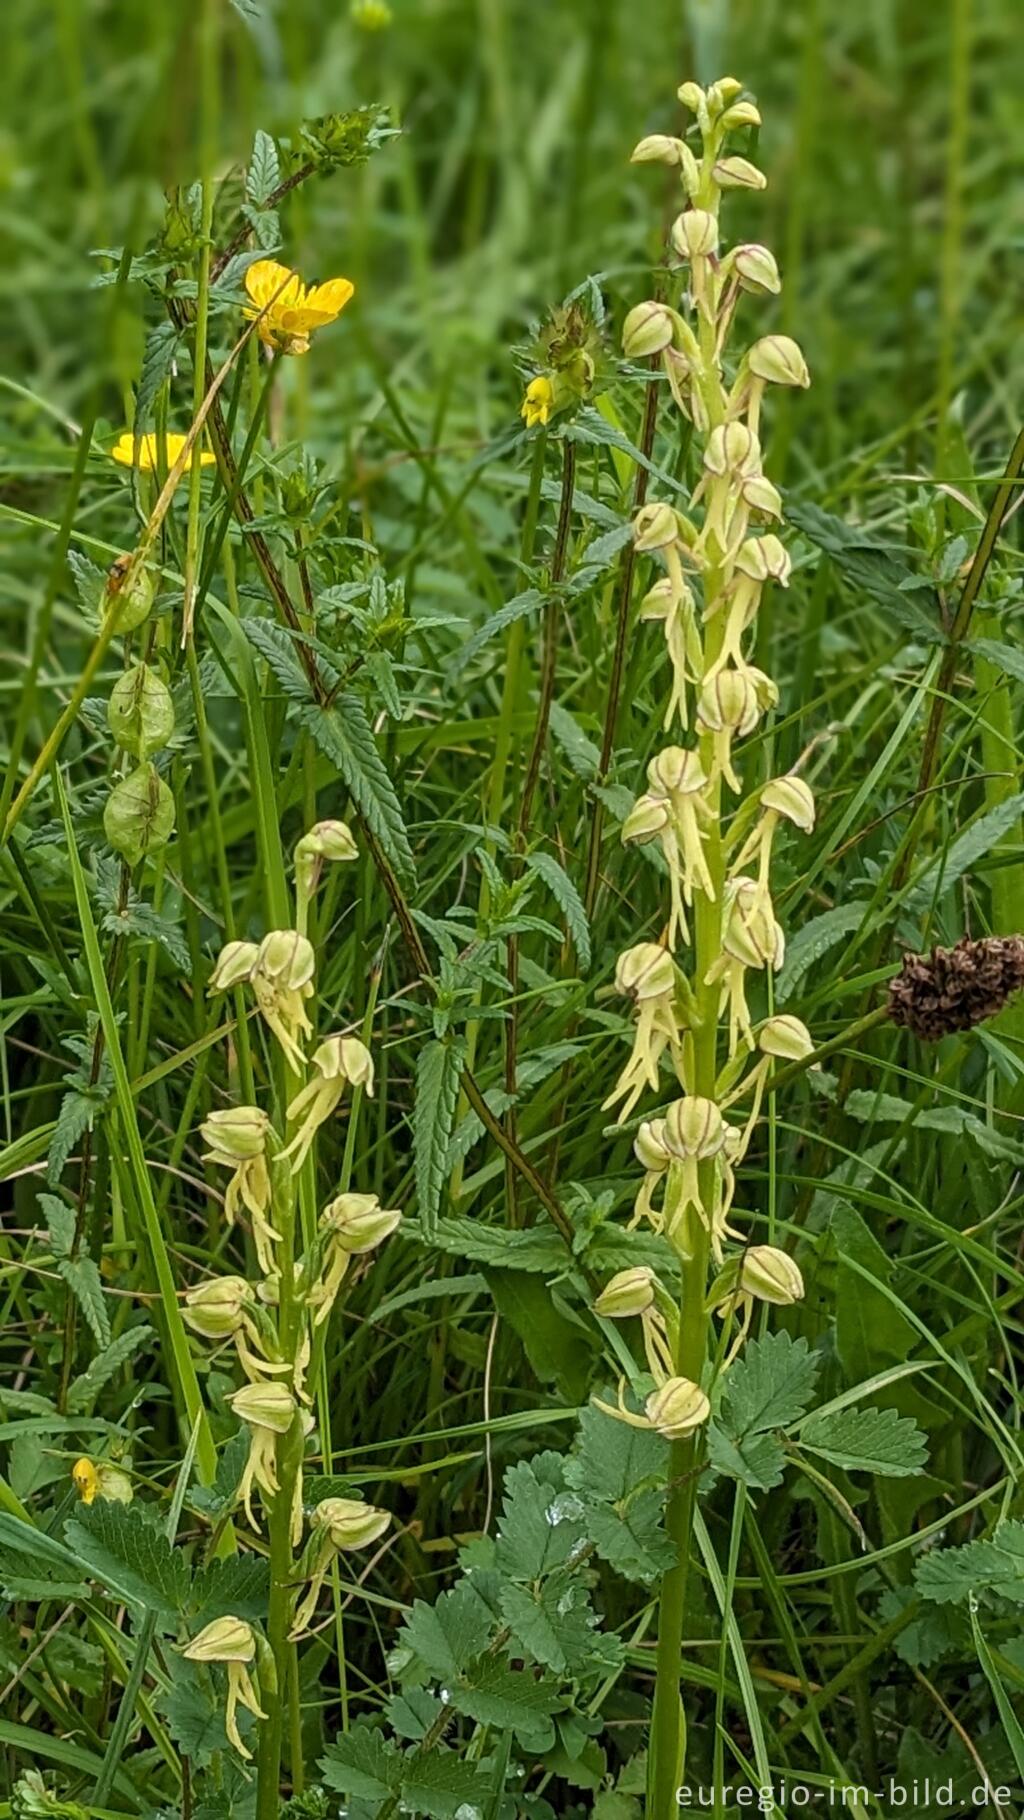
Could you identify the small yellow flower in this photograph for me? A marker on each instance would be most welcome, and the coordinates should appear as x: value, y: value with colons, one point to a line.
x: 123, y: 451
x: 86, y: 1480
x: 289, y: 310
x: 538, y: 402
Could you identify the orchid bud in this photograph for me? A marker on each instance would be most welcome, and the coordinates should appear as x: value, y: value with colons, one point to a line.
x: 779, y: 360
x: 694, y: 1127
x: 234, y: 964
x: 236, y: 1133
x: 648, y: 329
x: 732, y: 448
x: 786, y: 1037
x: 771, y: 1276
x: 359, y: 1222
x: 224, y: 1640
x: 728, y: 702
x: 765, y: 559
x: 677, y: 1408
x: 655, y: 526
x: 738, y: 174
x: 214, y: 1309
x: 268, y: 1406
x: 695, y: 234
x: 345, y: 1058
x: 645, y: 971
x: 741, y: 113
x: 756, y: 269
x: 287, y: 958
x: 628, y: 1293
x: 792, y: 798
x: 648, y: 818
x: 328, y: 840
x: 351, y: 1523
x: 677, y: 772
x: 650, y: 1148
x: 659, y: 601
x: 722, y: 92
x: 692, y: 96
x: 657, y: 148
x: 761, y: 495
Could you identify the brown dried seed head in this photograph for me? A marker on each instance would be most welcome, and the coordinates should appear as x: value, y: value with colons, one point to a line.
x: 956, y: 988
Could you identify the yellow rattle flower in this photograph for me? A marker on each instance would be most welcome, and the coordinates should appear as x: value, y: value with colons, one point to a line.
x: 124, y: 452
x: 538, y: 401
x: 289, y: 310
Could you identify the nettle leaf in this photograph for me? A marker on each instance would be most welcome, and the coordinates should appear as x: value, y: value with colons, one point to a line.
x: 75, y: 1117
x: 873, y: 567
x: 238, y: 1586
x: 345, y: 736
x: 568, y: 900
x: 867, y: 1440
x: 138, y: 921
x: 60, y: 1223
x: 447, y: 1635
x: 946, y: 869
x: 264, y: 173
x: 162, y: 345
x: 949, y: 1575
x: 581, y: 752
x: 438, y: 1072
x: 769, y: 1387
x: 541, y: 1525
x: 85, y: 1389
x: 520, y: 607
x: 813, y: 940
x: 538, y: 1250
x: 124, y: 1549
x: 1007, y: 658
x: 83, y: 1279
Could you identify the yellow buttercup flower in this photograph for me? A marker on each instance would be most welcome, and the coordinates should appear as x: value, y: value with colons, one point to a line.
x: 123, y: 451
x: 289, y: 310
x: 538, y: 401
x: 86, y: 1480
x: 102, y: 1481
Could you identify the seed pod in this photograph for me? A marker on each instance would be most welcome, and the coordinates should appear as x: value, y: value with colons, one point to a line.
x: 956, y: 988
x: 139, y: 815
x: 628, y: 1293
x: 128, y: 595
x: 140, y: 712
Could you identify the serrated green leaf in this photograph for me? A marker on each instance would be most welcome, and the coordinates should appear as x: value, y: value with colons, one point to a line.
x: 75, y: 1117
x: 85, y: 1389
x: 162, y: 344
x: 614, y: 1460
x: 237, y: 1586
x: 365, y: 1765
x: 60, y: 1223
x: 513, y: 1699
x: 757, y: 1460
x: 344, y: 735
x: 568, y: 899
x: 950, y: 1575
x: 445, y: 1636
x: 541, y: 1524
x: 520, y: 607
x: 946, y: 869
x: 438, y: 1072
x: 83, y: 1279
x: 631, y: 1536
x: 560, y: 1349
x: 554, y: 1623
x: 769, y: 1387
x: 264, y: 173
x: 1007, y: 658
x: 867, y: 1440
x: 129, y: 1554
x: 193, y: 1713
x: 814, y: 939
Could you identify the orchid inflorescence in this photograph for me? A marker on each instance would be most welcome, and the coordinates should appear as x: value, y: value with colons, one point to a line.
x: 718, y: 558
x: 272, y: 1324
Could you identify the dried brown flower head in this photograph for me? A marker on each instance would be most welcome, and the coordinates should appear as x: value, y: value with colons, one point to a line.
x: 956, y: 988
